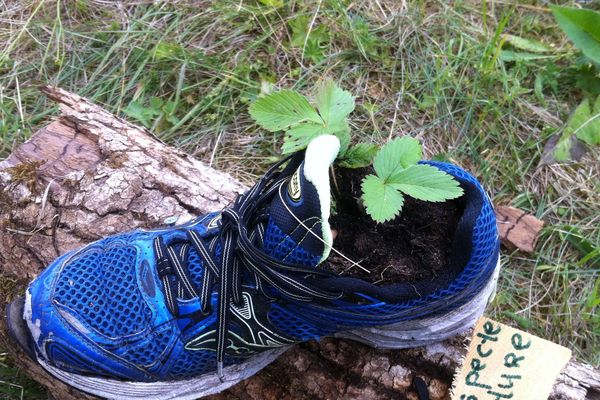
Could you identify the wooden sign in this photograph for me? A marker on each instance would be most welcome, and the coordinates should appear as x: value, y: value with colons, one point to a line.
x: 506, y: 363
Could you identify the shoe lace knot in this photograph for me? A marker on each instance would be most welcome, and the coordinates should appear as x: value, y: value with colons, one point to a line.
x: 240, y: 239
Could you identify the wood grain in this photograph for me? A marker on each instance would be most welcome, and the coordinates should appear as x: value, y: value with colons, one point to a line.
x: 517, y: 229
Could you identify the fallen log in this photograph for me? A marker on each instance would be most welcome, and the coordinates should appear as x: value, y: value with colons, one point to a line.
x: 89, y: 174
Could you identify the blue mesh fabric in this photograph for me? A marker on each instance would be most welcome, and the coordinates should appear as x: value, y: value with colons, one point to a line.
x: 195, y: 363
x: 101, y: 288
x: 147, y: 352
x: 195, y: 268
x: 195, y: 264
x: 294, y: 326
x: 472, y: 279
x: 282, y: 247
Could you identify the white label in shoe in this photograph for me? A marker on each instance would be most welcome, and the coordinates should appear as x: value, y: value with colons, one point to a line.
x: 294, y: 190
x: 506, y: 363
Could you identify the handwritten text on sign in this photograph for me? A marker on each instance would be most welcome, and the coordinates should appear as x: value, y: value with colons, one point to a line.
x: 506, y: 363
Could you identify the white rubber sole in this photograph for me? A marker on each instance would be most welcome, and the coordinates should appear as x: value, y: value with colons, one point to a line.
x: 396, y: 336
x: 188, y: 389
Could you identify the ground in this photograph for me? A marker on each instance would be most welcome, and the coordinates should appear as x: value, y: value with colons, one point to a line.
x: 442, y: 72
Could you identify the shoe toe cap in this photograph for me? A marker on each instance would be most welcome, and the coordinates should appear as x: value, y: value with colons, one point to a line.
x: 86, y: 303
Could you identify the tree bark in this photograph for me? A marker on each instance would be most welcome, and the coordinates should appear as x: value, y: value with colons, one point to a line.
x: 517, y: 229
x: 89, y: 174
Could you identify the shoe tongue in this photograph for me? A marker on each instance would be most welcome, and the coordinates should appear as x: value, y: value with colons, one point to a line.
x: 303, y: 206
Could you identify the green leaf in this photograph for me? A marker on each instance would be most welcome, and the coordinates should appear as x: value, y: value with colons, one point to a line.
x: 367, y: 42
x: 145, y: 115
x: 342, y: 131
x: 538, y: 88
x: 559, y: 149
x: 280, y: 110
x: 169, y: 51
x: 382, y: 201
x: 298, y: 137
x: 272, y: 3
x: 314, y: 51
x: 589, y: 133
x: 530, y: 45
x: 312, y: 40
x: 582, y: 27
x: 562, y: 150
x: 334, y: 103
x: 359, y: 156
x: 425, y: 182
x: 156, y: 103
x: 509, y: 56
x: 581, y: 114
x: 396, y: 155
x: 597, y: 105
x: 584, y: 124
x: 587, y: 79
x: 300, y: 26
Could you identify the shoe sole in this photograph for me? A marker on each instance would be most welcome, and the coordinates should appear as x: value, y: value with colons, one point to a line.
x: 396, y: 336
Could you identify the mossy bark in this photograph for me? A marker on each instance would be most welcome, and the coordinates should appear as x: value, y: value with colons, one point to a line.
x: 89, y: 174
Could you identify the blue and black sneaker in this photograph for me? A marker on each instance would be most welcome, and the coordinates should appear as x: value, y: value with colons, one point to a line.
x: 189, y: 310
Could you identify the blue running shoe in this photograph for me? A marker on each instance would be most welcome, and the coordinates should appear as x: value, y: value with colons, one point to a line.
x: 189, y: 310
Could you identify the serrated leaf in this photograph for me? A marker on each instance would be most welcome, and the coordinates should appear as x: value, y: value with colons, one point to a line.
x: 298, y: 137
x: 145, y: 115
x: 530, y: 45
x: 425, y: 182
x: 300, y: 30
x: 334, y: 103
x: 382, y: 201
x: 367, y: 42
x: 582, y: 26
x: 280, y: 110
x: 314, y: 51
x: 360, y: 155
x: 396, y: 155
x: 342, y: 131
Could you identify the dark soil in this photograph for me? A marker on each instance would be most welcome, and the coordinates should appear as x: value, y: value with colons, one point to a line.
x: 413, y: 247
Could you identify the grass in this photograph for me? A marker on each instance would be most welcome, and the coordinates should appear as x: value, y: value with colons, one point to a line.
x: 14, y: 384
x: 429, y: 69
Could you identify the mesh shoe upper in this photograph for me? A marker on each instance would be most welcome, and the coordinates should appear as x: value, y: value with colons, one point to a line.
x: 105, y: 310
x: 100, y: 284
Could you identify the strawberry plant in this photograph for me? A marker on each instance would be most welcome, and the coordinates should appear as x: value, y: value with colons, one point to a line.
x: 396, y: 167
